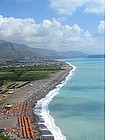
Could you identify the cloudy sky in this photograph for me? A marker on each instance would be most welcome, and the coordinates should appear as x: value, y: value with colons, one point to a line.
x: 60, y: 25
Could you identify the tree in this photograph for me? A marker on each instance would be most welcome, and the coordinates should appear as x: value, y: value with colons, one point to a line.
x: 18, y: 73
x: 4, y: 137
x: 1, y: 83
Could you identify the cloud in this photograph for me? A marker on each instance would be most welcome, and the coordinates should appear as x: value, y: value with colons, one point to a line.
x: 100, y: 38
x: 101, y: 27
x: 49, y: 34
x: 95, y: 6
x: 67, y: 7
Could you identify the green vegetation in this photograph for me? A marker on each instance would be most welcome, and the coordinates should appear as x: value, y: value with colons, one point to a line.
x: 4, y: 137
x: 34, y: 75
x: 30, y: 68
x: 26, y: 73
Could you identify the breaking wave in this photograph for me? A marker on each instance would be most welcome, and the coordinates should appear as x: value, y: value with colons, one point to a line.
x: 42, y: 111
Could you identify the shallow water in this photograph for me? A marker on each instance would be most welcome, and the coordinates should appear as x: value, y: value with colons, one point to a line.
x: 78, y: 107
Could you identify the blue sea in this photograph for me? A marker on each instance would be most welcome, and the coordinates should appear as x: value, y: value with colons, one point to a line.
x: 75, y: 109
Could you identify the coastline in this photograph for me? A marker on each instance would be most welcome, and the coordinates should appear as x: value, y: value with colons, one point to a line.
x: 34, y: 92
x: 55, y: 82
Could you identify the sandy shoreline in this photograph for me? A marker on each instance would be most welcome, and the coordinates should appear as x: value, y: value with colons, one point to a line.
x: 32, y: 93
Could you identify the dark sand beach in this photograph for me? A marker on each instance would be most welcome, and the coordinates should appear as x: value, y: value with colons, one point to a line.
x: 29, y: 95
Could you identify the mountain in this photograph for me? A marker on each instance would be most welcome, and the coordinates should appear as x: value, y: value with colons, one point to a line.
x: 43, y: 53
x: 10, y: 50
x: 96, y: 56
x: 53, y: 54
x: 74, y: 54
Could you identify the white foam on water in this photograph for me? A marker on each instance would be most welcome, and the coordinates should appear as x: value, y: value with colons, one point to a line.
x: 41, y: 109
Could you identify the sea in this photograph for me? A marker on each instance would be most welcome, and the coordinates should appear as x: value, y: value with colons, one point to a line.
x: 75, y: 109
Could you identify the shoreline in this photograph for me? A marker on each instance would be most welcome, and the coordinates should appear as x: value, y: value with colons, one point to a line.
x: 33, y: 93
x: 56, y: 82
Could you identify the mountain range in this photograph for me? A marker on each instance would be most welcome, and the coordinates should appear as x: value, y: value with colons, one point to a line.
x: 9, y: 50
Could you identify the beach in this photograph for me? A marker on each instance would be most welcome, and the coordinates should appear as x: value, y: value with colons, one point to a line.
x: 30, y: 94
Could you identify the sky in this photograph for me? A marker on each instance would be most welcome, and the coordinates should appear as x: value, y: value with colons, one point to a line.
x: 61, y: 25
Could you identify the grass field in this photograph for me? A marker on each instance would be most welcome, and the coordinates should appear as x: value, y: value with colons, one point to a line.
x: 8, y: 77
x: 16, y: 75
x: 27, y: 73
x: 26, y: 76
x: 35, y: 75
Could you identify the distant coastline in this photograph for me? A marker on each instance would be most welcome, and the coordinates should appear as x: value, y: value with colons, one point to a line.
x: 96, y: 56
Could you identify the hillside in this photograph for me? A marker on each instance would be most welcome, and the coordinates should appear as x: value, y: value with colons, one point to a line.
x: 74, y: 54
x: 96, y: 56
x: 50, y: 54
x: 10, y: 50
